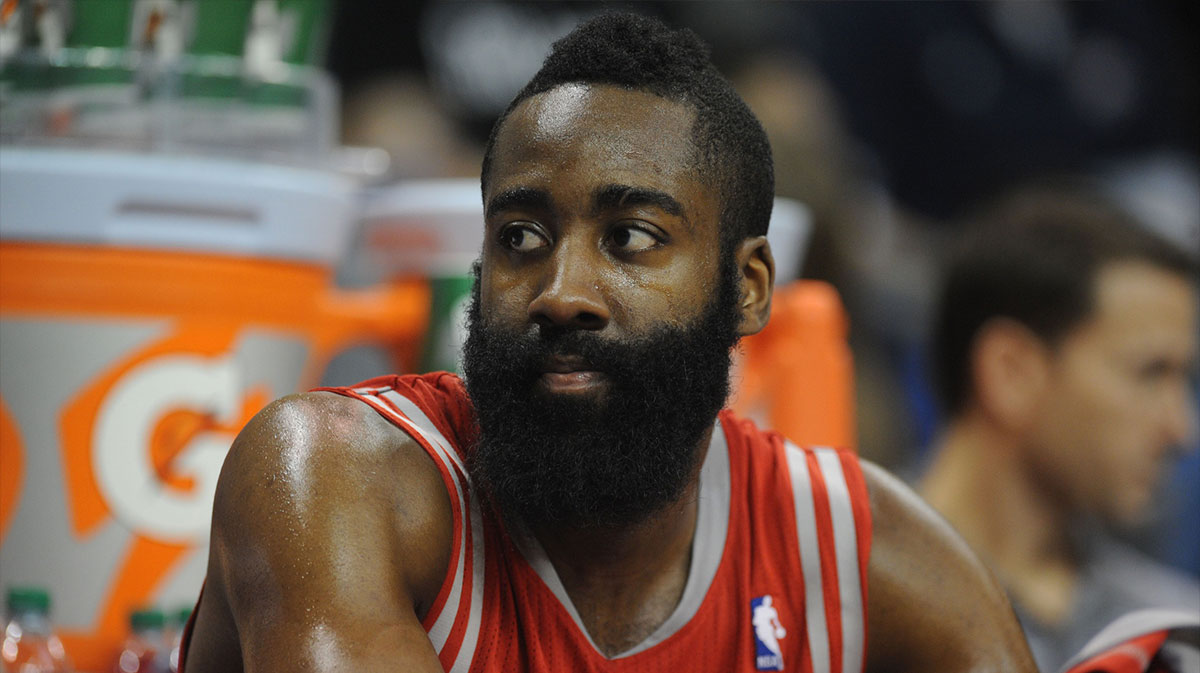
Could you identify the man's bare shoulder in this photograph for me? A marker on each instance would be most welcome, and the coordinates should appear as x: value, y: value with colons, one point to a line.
x: 313, y: 459
x: 932, y: 605
x: 326, y: 517
x: 324, y: 449
x: 314, y: 439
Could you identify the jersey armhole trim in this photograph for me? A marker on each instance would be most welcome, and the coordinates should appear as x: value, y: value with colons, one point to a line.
x: 452, y: 482
x: 833, y: 529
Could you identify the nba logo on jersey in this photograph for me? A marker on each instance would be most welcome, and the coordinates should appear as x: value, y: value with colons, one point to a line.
x: 767, y: 632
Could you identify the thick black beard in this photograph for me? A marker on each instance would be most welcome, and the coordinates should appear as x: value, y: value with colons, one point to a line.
x: 558, y: 461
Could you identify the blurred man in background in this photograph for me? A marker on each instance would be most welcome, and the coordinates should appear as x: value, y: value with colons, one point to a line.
x: 1065, y: 342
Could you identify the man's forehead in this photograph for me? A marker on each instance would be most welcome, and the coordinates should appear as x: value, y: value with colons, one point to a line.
x: 1140, y: 301
x: 555, y: 110
x: 1139, y: 285
x: 607, y: 133
x: 603, y: 111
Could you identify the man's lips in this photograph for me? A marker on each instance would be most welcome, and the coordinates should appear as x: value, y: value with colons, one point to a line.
x: 564, y: 374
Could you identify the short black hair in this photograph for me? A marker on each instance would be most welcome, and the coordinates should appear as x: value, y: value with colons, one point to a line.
x: 641, y: 53
x: 1033, y: 256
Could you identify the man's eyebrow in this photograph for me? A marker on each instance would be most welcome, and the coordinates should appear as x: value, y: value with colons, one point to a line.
x: 613, y: 196
x: 518, y: 197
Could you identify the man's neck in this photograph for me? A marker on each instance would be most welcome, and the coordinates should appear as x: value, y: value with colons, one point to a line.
x: 980, y: 484
x: 625, y: 582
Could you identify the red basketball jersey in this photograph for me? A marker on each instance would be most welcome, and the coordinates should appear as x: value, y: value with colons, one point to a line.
x: 778, y: 577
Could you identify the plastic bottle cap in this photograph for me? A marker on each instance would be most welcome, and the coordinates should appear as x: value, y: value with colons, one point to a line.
x: 28, y: 599
x: 142, y: 620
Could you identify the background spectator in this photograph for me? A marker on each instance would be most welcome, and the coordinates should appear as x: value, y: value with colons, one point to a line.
x: 1064, y: 343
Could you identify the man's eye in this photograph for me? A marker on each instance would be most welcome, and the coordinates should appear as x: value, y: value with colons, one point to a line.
x: 632, y: 239
x: 522, y: 239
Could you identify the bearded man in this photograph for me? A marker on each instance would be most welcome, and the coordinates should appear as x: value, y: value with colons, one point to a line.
x: 583, y: 503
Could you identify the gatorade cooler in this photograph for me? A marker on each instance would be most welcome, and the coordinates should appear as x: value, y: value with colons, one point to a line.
x: 149, y: 306
x: 433, y: 229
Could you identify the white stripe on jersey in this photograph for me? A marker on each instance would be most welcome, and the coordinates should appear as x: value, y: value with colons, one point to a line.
x: 439, y: 632
x: 421, y: 422
x: 810, y: 558
x: 846, y: 547
x: 471, y: 639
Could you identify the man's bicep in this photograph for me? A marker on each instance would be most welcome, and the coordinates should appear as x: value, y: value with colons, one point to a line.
x: 320, y: 551
x: 932, y: 603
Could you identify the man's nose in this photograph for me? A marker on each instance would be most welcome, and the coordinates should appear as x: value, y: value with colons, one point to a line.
x: 1181, y: 417
x: 570, y: 295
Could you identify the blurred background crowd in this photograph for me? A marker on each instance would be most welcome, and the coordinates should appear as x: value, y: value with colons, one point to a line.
x: 891, y: 123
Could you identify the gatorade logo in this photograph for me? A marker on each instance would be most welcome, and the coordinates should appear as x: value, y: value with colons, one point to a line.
x: 145, y: 442
x: 142, y: 446
x: 125, y: 427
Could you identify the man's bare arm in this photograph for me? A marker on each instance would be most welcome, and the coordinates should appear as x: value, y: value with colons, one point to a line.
x: 932, y: 605
x: 331, y: 535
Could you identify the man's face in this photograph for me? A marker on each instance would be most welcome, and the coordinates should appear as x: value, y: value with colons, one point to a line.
x: 1118, y: 399
x: 596, y: 216
x: 599, y: 341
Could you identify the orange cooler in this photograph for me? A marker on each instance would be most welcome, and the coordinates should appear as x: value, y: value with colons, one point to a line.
x: 433, y: 229
x: 149, y: 306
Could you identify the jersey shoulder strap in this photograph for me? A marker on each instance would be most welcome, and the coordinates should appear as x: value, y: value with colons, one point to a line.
x: 833, y: 526
x: 435, y: 411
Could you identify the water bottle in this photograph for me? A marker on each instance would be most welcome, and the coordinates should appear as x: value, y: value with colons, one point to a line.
x: 146, y: 648
x: 30, y: 644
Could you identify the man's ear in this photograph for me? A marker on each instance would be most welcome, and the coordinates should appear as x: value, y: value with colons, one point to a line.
x: 1010, y: 368
x: 757, y: 267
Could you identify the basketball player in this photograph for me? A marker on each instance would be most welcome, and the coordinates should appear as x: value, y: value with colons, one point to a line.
x: 582, y: 503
